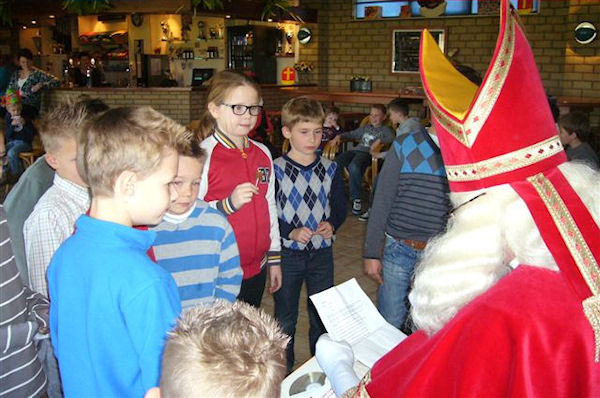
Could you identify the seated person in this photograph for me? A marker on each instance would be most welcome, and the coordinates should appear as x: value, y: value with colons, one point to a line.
x: 18, y: 136
x: 224, y: 350
x: 357, y: 159
x: 195, y: 242
x: 331, y: 127
x: 575, y: 131
x: 398, y: 111
x: 111, y: 306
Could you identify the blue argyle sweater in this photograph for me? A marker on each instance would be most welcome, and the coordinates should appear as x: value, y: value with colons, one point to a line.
x: 411, y: 199
x: 306, y: 196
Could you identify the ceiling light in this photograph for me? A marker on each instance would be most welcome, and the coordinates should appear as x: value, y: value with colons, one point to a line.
x: 33, y: 22
x: 51, y: 16
x: 227, y: 16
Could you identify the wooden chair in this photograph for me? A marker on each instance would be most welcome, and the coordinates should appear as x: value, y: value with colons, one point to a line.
x: 37, y: 150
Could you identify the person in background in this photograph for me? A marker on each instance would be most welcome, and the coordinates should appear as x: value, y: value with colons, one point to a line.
x: 358, y: 158
x: 24, y: 315
x: 110, y: 305
x: 574, y: 134
x: 7, y: 68
x: 398, y: 114
x: 86, y: 74
x: 331, y: 128
x: 311, y: 206
x: 18, y: 135
x: 29, y: 81
x: 238, y: 180
x: 195, y: 242
x: 224, y: 350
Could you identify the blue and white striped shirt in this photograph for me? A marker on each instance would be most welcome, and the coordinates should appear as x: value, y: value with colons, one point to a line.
x: 201, y: 254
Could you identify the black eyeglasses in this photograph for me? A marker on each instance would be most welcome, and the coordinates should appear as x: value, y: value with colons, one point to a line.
x: 242, y: 109
x: 452, y: 211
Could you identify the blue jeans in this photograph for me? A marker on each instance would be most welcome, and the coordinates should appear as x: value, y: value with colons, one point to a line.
x: 13, y: 149
x: 398, y: 265
x: 356, y: 162
x: 316, y: 268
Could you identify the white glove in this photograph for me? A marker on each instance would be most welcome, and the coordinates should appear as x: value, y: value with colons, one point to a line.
x: 337, y: 361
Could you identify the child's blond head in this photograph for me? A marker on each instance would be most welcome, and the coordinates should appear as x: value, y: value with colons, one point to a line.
x: 127, y: 138
x: 230, y: 350
x: 67, y: 119
x: 301, y: 109
x: 219, y: 88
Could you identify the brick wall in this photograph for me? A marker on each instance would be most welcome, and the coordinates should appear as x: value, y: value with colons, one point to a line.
x: 343, y: 47
x: 181, y: 104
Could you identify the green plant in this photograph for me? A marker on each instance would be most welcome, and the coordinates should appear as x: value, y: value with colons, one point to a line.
x: 304, y: 66
x: 5, y: 17
x: 207, y: 4
x: 360, y: 78
x: 273, y: 8
x: 85, y: 7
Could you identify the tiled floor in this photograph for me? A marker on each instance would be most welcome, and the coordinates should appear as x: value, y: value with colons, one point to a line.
x: 347, y: 252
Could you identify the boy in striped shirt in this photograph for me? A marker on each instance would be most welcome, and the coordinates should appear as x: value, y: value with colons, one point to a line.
x: 195, y: 242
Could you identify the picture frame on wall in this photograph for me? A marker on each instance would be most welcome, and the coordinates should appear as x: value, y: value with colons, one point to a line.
x: 405, y: 48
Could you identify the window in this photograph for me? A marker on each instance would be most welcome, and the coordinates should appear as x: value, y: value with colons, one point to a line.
x: 369, y: 9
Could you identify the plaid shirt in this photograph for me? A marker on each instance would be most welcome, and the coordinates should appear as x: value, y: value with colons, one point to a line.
x: 51, y: 222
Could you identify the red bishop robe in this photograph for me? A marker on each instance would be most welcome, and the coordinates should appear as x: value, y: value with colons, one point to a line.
x: 527, y: 336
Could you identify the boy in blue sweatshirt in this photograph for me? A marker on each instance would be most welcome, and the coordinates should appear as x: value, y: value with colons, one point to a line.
x: 111, y: 306
x: 311, y: 206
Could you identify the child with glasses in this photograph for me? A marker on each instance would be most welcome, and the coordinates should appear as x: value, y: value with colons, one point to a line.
x: 237, y: 179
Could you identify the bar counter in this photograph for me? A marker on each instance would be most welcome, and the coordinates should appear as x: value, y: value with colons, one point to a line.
x: 183, y: 104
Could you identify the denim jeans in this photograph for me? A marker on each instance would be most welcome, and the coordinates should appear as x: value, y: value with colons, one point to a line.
x: 356, y: 162
x: 13, y: 149
x: 316, y: 268
x: 398, y: 265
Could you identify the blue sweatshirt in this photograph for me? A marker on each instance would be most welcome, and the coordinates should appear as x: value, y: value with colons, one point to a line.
x: 110, y: 310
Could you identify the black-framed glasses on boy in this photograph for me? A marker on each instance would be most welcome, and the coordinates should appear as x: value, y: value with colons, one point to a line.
x: 240, y: 110
x: 455, y: 209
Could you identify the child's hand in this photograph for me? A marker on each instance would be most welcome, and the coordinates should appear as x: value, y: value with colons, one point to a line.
x: 17, y: 120
x: 336, y: 141
x: 243, y: 194
x: 325, y: 229
x: 373, y: 269
x: 301, y: 235
x: 274, y: 278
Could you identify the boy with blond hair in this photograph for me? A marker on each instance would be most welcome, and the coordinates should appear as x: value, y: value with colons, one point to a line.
x: 224, y: 350
x: 111, y: 306
x: 195, y: 242
x: 311, y: 206
x: 53, y: 217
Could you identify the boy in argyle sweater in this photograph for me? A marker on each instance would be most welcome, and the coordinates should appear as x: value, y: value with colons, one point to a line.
x: 311, y: 206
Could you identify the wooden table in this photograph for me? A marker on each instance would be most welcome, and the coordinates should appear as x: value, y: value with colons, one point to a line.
x: 334, y: 95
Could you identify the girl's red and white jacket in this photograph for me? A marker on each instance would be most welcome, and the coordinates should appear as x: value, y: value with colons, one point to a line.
x: 255, y: 223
